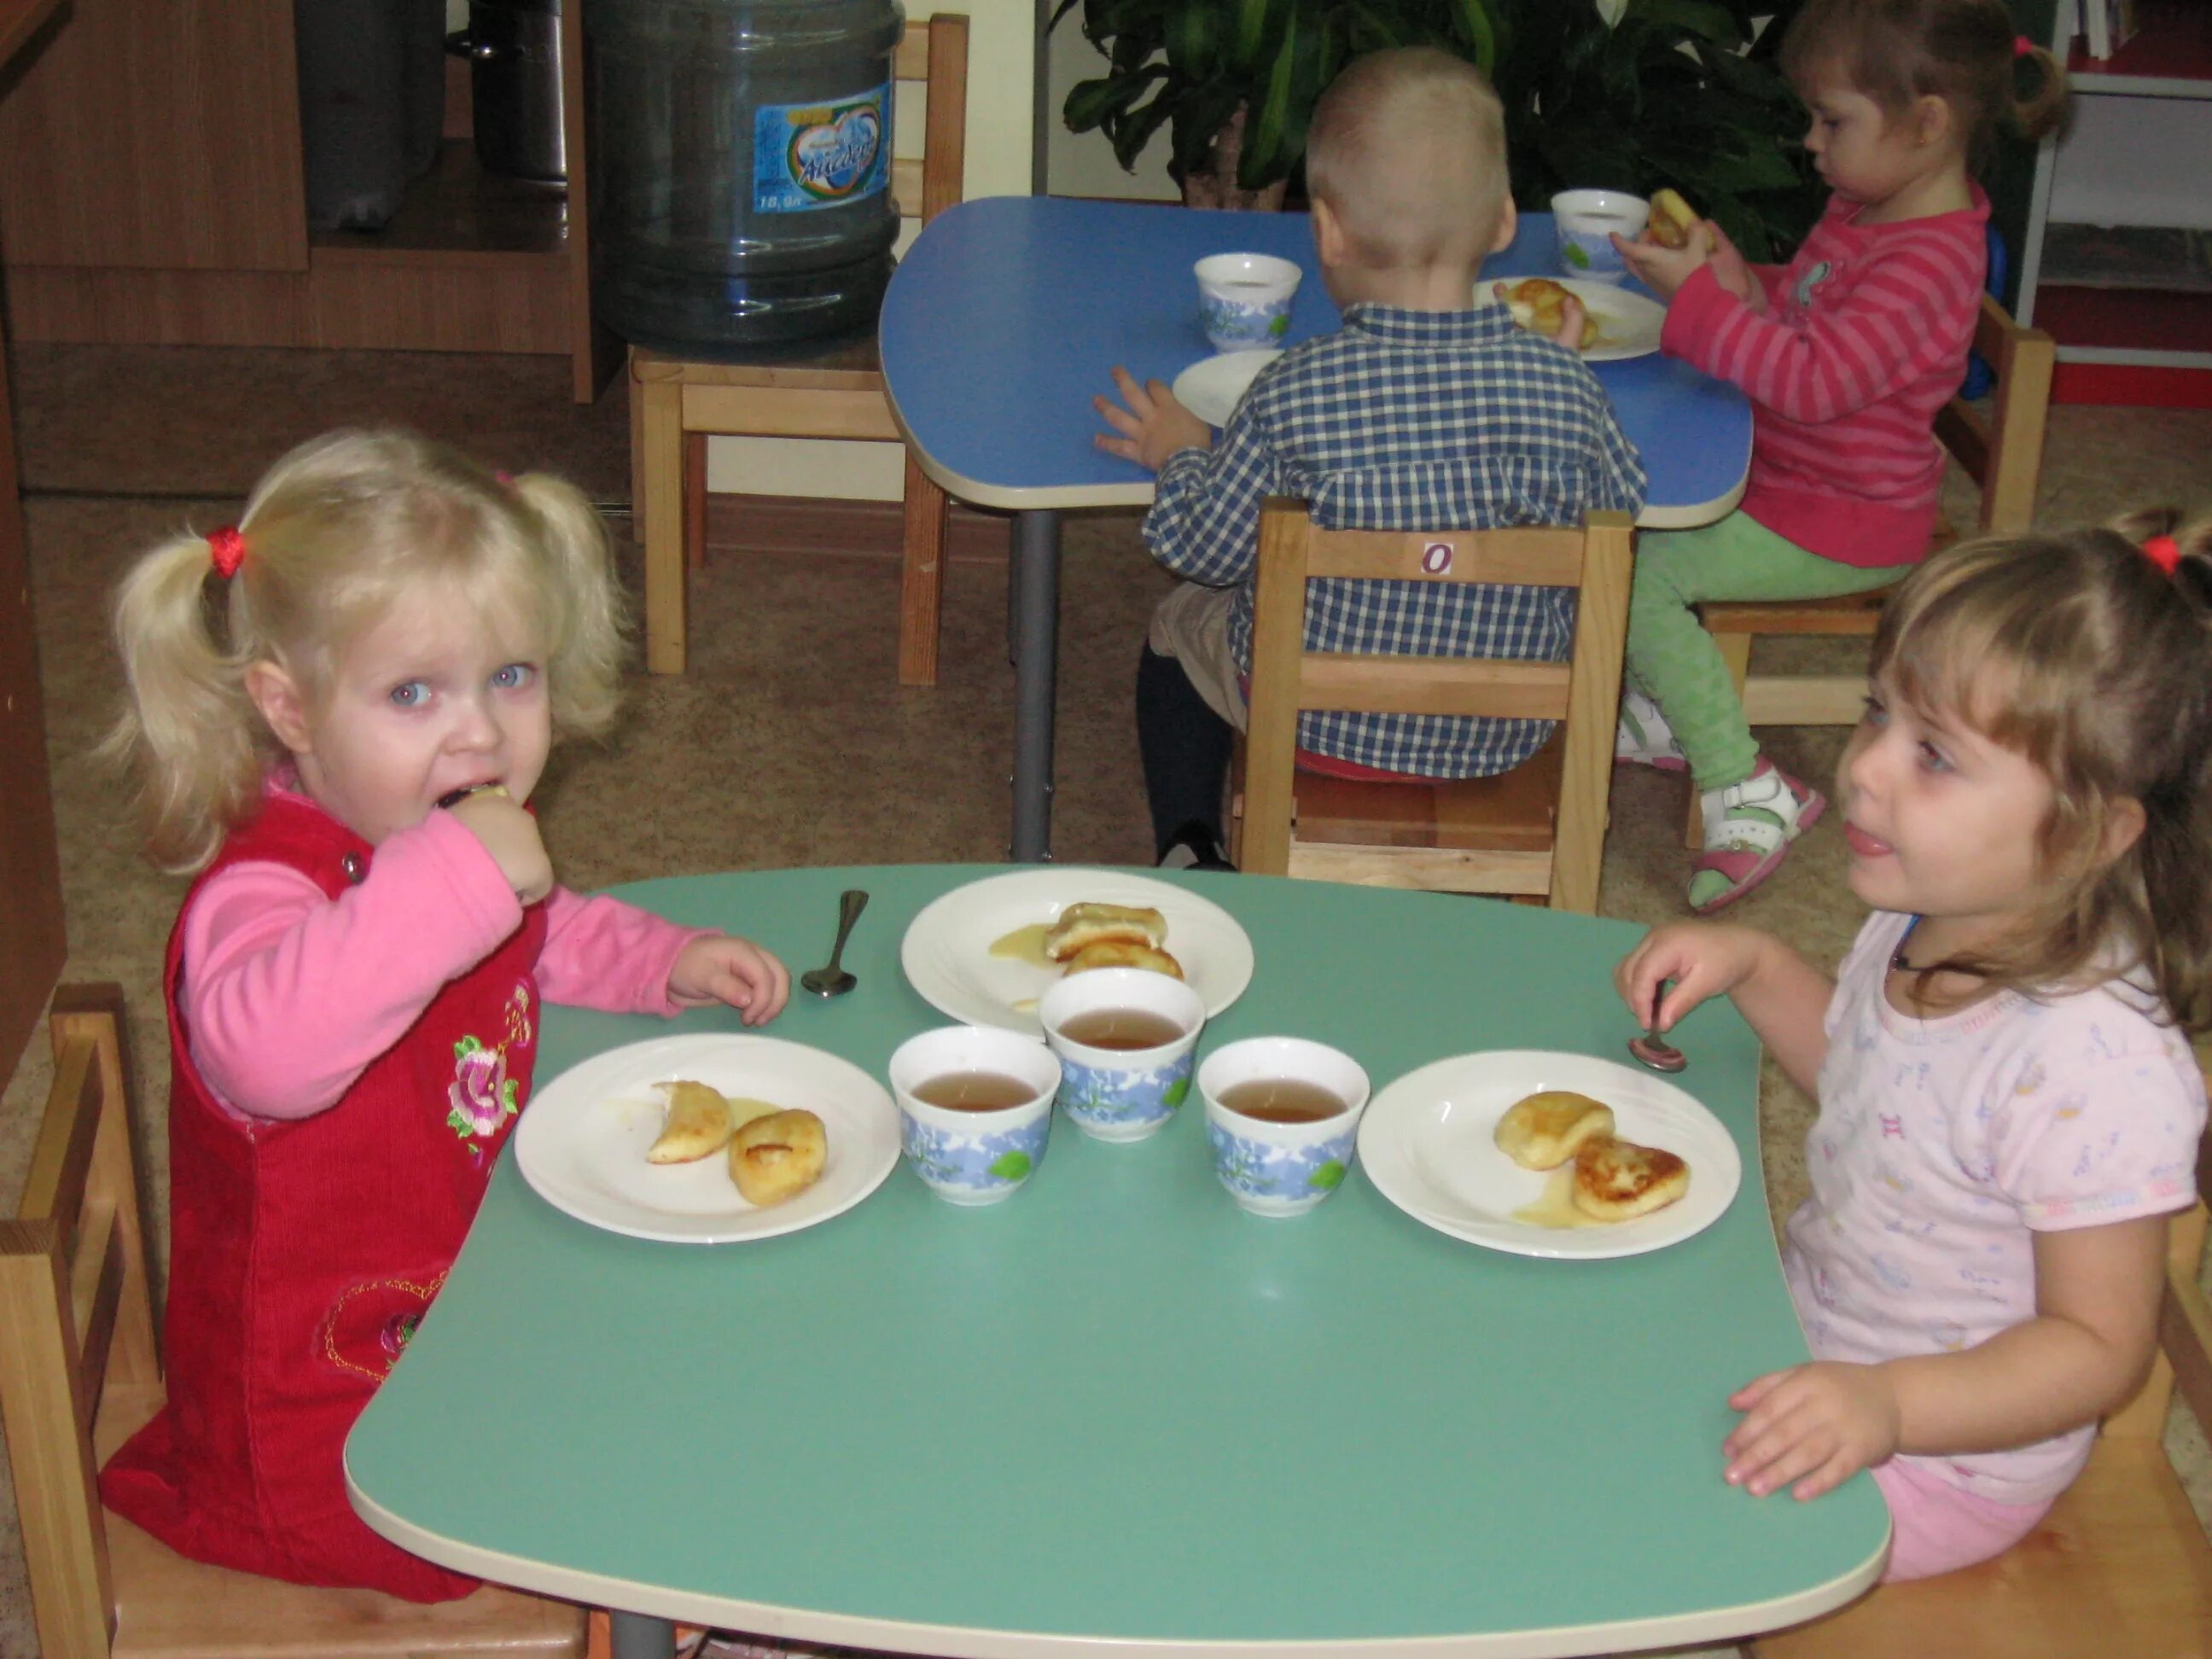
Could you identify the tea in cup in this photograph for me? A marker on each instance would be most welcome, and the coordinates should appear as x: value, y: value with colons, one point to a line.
x: 975, y: 1110
x: 1244, y: 299
x: 1282, y: 1116
x: 1585, y: 221
x: 1126, y: 1038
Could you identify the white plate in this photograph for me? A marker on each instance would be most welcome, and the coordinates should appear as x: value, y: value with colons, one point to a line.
x: 947, y: 956
x: 1628, y: 323
x: 1427, y: 1144
x: 582, y: 1139
x: 1211, y: 387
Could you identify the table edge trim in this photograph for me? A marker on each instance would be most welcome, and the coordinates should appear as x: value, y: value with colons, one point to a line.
x: 665, y: 1602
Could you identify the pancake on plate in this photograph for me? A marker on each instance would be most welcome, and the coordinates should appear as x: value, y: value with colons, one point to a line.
x: 1545, y: 1130
x: 1619, y: 1180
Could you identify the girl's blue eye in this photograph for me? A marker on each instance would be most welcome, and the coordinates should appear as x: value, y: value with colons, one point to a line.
x: 412, y: 694
x: 1934, y: 759
x: 1874, y: 713
x: 514, y: 677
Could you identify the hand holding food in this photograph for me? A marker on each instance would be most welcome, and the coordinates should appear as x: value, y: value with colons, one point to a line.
x: 1671, y: 220
x: 510, y: 836
x: 775, y: 1157
x: 1542, y: 306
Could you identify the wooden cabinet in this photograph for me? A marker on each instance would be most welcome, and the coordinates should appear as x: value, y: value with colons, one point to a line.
x: 31, y: 943
x: 158, y: 136
x: 151, y: 192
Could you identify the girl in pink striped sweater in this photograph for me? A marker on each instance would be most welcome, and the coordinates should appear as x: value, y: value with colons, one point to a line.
x: 1847, y: 353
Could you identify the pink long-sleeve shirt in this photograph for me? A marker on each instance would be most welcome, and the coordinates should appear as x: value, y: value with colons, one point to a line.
x: 1864, y: 338
x: 290, y: 995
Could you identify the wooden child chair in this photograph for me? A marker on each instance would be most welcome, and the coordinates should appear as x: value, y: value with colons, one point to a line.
x: 676, y: 403
x: 79, y: 1373
x: 1537, y: 831
x: 2001, y: 452
x: 2119, y: 1565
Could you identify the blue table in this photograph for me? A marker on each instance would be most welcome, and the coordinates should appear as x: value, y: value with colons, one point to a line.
x: 1116, y: 1417
x: 1004, y: 317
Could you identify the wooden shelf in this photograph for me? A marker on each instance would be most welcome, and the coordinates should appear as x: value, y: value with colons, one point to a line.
x: 458, y: 211
x: 2147, y: 325
x: 2170, y: 55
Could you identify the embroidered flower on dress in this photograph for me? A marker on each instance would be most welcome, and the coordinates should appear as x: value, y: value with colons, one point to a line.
x: 482, y: 1094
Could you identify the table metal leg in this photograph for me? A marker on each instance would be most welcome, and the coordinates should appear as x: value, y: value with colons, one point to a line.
x: 639, y: 1635
x: 1033, y: 580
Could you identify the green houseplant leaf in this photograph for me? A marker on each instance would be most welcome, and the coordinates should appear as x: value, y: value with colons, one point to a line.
x: 1674, y: 92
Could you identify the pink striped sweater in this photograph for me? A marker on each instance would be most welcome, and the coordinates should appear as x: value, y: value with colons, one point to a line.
x: 1864, y: 338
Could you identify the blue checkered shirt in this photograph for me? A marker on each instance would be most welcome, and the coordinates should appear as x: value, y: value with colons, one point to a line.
x: 1406, y: 420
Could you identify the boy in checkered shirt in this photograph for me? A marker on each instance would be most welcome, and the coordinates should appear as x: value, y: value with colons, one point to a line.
x: 1425, y: 411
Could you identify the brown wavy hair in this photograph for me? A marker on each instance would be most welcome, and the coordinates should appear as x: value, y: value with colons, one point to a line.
x: 1964, y: 51
x: 2077, y: 651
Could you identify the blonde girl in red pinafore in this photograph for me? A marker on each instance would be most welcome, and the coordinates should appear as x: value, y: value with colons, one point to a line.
x: 338, y: 711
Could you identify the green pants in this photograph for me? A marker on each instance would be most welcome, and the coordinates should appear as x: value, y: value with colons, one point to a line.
x: 1675, y: 662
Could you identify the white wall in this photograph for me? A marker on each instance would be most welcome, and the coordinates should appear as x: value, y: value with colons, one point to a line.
x: 1082, y: 163
x: 1001, y: 89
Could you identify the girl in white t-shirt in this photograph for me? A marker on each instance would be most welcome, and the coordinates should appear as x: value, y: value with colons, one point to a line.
x: 2010, y: 1109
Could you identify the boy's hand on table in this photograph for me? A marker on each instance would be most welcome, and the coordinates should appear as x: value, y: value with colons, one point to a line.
x: 1704, y: 958
x: 1815, y: 1425
x: 1153, y: 427
x: 716, y: 968
x: 1664, y: 269
x: 510, y: 836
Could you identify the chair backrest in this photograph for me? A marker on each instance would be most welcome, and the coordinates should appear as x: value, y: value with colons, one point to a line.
x: 75, y: 1317
x: 2185, y: 1326
x: 933, y: 59
x: 2002, y: 450
x: 1583, y: 691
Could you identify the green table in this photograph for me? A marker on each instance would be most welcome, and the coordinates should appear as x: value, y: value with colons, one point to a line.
x: 1115, y: 1412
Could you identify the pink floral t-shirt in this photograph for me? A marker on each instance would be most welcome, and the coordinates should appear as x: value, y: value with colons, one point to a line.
x: 1943, y: 1145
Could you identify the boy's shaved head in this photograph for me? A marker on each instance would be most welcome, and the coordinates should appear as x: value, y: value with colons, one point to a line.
x: 1407, y: 148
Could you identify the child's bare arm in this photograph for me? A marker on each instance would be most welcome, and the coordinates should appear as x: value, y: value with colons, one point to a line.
x: 1153, y: 427
x: 1785, y: 997
x: 2089, y: 1345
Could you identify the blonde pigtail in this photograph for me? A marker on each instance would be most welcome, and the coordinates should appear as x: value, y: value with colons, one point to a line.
x: 189, y: 732
x: 591, y: 624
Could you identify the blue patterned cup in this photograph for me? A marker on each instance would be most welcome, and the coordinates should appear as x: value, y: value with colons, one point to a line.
x: 1244, y: 299
x: 979, y: 1152
x: 1283, y: 1117
x: 1583, y: 224
x: 1126, y: 1039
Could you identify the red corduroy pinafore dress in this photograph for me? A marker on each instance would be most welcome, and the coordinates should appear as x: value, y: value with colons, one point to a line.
x: 304, y: 1252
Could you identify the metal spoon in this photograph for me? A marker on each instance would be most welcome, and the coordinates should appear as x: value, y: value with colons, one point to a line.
x: 1655, y: 1050
x: 830, y: 980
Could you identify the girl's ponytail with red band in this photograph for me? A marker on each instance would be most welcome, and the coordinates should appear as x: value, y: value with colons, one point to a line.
x: 226, y: 549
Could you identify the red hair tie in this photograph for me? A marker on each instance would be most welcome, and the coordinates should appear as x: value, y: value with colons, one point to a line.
x: 2021, y: 45
x: 2164, y: 552
x: 226, y: 548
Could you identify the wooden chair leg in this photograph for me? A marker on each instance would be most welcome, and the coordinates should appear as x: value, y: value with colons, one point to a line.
x: 661, y: 448
x: 695, y: 499
x: 1735, y: 651
x: 921, y: 581
x: 636, y: 456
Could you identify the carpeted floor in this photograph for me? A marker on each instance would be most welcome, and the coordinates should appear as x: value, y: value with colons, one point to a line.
x: 788, y: 742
